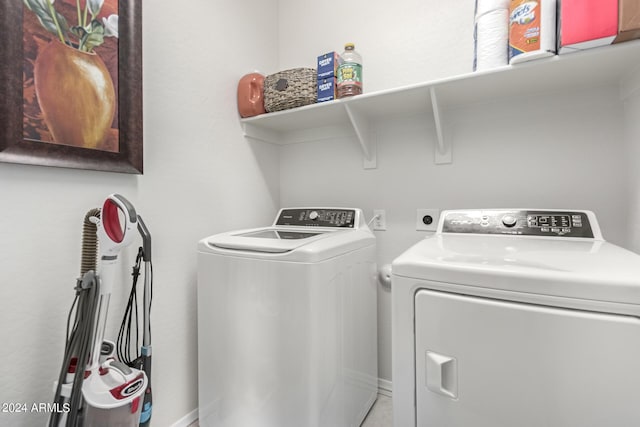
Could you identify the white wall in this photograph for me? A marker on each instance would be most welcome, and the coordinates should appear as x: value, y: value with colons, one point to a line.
x: 630, y: 91
x: 201, y: 177
x: 568, y: 154
x: 401, y: 42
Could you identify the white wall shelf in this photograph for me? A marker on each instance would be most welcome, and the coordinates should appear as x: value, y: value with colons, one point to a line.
x: 356, y: 116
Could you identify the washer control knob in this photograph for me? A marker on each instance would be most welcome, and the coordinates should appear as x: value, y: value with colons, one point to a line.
x: 313, y: 215
x: 509, y: 220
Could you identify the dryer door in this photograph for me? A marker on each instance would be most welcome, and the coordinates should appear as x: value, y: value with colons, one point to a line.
x: 490, y: 363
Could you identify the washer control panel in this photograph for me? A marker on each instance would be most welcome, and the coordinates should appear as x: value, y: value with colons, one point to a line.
x: 317, y: 217
x: 518, y: 222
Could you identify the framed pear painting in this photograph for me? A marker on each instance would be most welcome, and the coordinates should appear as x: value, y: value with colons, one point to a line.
x: 71, y: 84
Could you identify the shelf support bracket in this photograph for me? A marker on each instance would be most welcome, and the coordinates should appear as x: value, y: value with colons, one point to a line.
x: 252, y: 131
x: 443, y: 146
x: 365, y: 137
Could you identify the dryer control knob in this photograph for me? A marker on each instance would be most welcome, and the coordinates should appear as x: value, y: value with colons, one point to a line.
x: 313, y: 215
x: 509, y: 220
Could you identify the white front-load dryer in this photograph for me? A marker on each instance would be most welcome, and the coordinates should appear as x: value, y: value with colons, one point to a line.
x: 516, y: 317
x: 287, y: 322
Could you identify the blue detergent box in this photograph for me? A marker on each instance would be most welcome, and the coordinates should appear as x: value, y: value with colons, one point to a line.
x: 327, y: 89
x: 328, y: 64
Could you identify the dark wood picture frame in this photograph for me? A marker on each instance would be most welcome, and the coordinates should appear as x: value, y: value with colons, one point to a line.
x: 15, y: 149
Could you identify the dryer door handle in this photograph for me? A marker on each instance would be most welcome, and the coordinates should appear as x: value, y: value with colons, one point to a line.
x: 442, y: 374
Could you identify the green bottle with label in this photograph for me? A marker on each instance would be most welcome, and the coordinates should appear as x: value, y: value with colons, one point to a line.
x: 349, y: 78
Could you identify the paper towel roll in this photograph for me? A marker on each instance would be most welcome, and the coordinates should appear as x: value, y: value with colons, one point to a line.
x: 532, y: 30
x: 492, y: 39
x: 486, y: 6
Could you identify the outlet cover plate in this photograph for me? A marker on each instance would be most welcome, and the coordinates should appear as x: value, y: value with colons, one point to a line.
x: 380, y: 223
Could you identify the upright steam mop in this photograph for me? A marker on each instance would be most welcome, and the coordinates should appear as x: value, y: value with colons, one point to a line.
x: 90, y: 393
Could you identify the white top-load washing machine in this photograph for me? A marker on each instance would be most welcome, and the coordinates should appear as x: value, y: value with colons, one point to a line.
x: 287, y: 322
x: 516, y: 317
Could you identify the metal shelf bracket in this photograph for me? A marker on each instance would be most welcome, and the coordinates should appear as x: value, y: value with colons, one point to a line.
x: 443, y: 146
x: 366, y: 138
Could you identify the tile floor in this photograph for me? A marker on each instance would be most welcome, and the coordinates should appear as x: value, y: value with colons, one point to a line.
x: 380, y: 414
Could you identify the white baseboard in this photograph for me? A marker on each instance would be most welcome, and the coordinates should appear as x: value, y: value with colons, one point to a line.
x: 384, y: 387
x: 187, y: 419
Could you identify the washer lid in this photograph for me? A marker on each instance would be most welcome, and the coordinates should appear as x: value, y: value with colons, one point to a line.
x: 271, y: 239
x: 589, y: 269
x: 298, y: 235
x: 293, y: 244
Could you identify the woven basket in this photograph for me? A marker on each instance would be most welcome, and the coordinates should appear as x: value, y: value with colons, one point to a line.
x: 290, y: 89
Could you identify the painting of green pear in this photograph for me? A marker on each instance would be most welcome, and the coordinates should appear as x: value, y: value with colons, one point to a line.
x: 71, y: 73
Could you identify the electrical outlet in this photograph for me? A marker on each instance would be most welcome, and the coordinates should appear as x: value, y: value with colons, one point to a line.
x: 427, y: 219
x: 380, y: 220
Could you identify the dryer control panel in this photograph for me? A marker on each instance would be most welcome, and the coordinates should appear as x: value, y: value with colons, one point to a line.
x: 317, y: 217
x: 518, y: 222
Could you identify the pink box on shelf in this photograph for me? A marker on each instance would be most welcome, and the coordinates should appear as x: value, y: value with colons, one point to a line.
x: 585, y: 24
